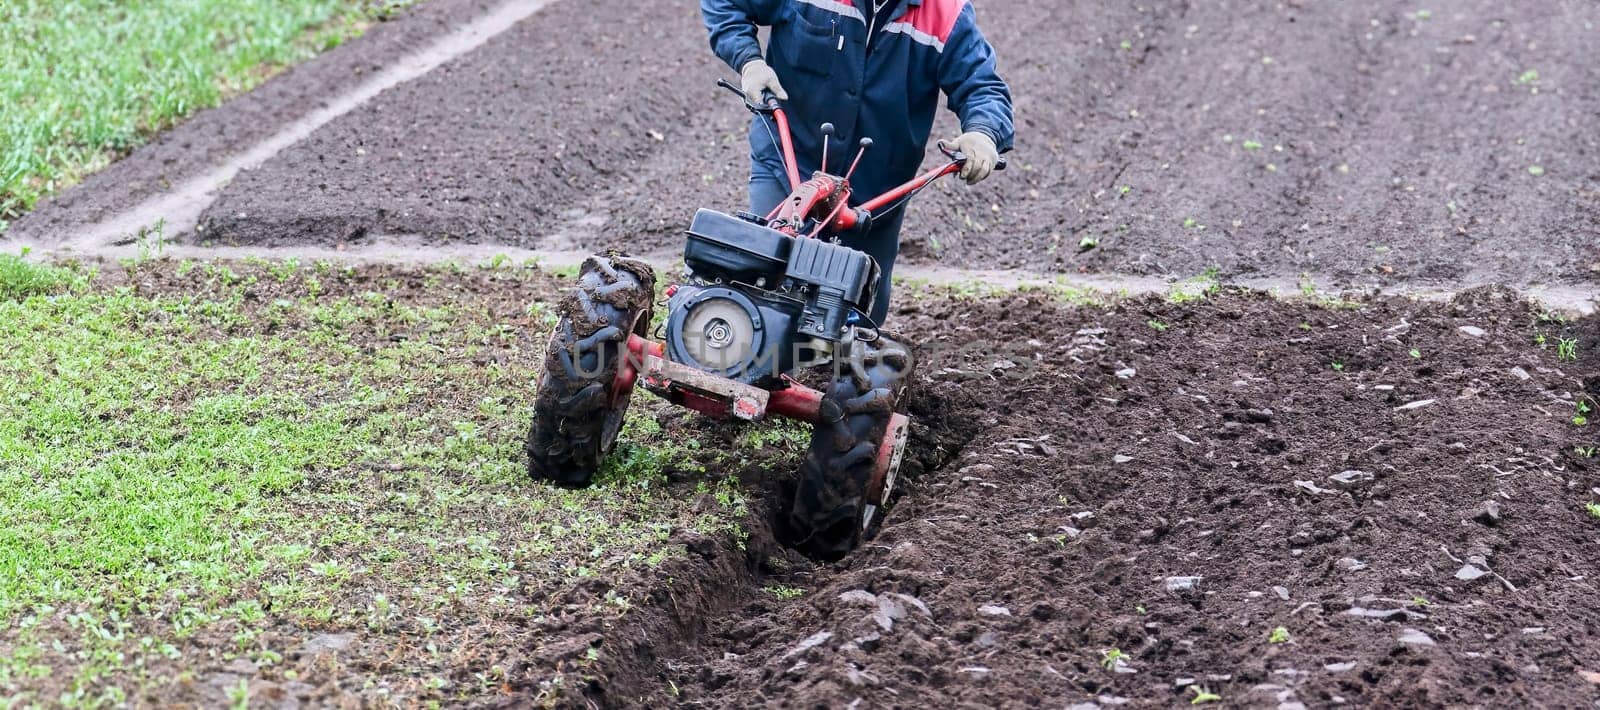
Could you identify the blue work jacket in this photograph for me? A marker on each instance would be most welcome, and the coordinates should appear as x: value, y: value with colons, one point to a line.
x: 819, y: 50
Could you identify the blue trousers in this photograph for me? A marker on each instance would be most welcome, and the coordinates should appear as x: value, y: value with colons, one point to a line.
x: 881, y: 242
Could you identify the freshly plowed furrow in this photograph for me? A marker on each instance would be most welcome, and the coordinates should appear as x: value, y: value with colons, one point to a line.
x: 1178, y: 493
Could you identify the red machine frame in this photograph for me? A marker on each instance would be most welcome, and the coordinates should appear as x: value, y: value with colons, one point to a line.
x: 814, y: 205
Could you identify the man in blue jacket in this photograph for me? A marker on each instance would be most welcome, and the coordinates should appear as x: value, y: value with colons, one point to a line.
x: 874, y: 69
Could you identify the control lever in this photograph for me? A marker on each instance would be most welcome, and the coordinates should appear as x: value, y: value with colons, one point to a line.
x: 865, y: 144
x: 827, y: 133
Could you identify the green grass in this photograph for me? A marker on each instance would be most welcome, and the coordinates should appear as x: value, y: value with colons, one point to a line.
x: 20, y: 278
x: 83, y: 81
x: 186, y: 476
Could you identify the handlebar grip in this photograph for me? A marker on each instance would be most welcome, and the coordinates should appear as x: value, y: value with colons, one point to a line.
x: 956, y: 156
x: 769, y: 102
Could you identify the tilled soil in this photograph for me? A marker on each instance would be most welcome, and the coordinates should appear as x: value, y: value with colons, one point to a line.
x: 1100, y: 505
x: 507, y: 143
x: 1399, y: 487
x: 1366, y: 142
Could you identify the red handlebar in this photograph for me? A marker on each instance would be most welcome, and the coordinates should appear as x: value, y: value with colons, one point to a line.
x: 840, y: 217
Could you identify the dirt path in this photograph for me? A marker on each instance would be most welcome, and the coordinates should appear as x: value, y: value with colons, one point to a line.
x: 1575, y: 300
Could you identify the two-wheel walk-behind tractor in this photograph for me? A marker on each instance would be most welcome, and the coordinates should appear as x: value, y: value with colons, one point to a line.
x: 762, y: 297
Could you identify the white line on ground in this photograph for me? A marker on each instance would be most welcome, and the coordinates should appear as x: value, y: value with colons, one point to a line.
x: 1580, y: 300
x: 180, y: 209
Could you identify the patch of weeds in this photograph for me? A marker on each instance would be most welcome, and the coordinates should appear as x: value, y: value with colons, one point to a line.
x: 206, y: 470
x: 775, y: 433
x: 1078, y: 296
x: 20, y: 278
x: 1308, y: 290
x: 784, y: 593
x: 566, y: 271
x: 1196, y: 288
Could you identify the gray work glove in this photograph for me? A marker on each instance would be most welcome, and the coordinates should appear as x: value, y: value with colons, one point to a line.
x: 756, y: 76
x: 981, y: 155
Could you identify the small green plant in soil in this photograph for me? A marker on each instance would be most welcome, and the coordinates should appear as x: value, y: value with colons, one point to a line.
x: 1567, y: 349
x: 1581, y: 417
x: 785, y: 593
x: 1110, y: 659
x: 1203, y: 695
x: 1593, y: 508
x: 1278, y: 635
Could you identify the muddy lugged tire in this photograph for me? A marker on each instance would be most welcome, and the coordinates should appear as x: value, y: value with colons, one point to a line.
x: 825, y: 521
x: 577, y: 413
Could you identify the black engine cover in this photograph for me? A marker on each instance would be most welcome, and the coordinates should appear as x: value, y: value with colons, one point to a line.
x: 769, y: 288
